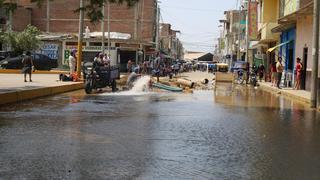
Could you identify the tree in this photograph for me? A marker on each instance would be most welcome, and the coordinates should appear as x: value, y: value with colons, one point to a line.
x: 23, y: 41
x: 92, y: 8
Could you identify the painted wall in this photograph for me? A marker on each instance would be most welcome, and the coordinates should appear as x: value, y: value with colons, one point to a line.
x: 304, y: 38
x: 290, y: 6
x: 269, y: 14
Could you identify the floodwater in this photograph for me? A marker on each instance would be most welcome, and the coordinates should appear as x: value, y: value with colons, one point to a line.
x: 228, y: 133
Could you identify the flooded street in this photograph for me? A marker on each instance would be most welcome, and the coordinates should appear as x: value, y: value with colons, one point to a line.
x: 229, y: 133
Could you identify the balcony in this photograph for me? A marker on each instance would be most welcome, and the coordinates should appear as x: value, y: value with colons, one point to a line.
x: 266, y: 34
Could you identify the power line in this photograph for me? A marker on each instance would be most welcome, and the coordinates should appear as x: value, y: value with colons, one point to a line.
x: 193, y: 9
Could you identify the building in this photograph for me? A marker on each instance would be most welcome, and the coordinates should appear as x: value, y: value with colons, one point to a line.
x: 268, y: 19
x: 169, y: 42
x: 133, y: 29
x: 232, y: 37
x: 296, y: 28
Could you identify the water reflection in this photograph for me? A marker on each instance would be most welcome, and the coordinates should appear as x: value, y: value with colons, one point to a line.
x: 232, y: 132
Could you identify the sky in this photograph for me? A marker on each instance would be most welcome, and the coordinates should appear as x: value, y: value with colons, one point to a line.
x: 198, y: 20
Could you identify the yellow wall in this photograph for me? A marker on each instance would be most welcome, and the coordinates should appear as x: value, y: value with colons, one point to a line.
x: 270, y: 11
x: 290, y: 6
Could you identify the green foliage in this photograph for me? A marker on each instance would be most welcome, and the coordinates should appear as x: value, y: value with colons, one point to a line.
x: 23, y: 41
x: 93, y: 8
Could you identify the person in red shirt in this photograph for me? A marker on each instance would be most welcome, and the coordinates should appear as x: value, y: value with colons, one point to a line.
x: 298, y: 74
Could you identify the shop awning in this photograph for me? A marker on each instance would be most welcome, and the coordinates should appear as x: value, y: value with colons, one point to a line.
x: 279, y: 45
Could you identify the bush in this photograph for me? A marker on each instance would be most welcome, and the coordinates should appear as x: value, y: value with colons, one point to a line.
x: 23, y: 41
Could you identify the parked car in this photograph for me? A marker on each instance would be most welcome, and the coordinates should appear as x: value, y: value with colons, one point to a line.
x: 6, y: 54
x: 40, y: 61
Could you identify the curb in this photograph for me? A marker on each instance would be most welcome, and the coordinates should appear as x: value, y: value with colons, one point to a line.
x: 18, y: 71
x: 284, y: 93
x: 18, y: 96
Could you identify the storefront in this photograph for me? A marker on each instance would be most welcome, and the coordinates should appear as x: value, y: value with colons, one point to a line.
x: 287, y: 52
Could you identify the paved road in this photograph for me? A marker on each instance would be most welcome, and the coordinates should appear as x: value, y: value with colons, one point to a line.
x: 15, y: 82
x: 229, y: 133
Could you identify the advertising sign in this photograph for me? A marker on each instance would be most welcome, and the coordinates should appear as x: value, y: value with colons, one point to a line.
x: 253, y: 20
x: 50, y: 50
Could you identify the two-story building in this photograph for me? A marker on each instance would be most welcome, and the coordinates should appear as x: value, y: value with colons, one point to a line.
x: 133, y: 29
x: 296, y: 28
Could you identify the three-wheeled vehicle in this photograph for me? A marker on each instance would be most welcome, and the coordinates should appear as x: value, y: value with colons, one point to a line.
x: 100, y: 76
x: 240, y: 70
x: 222, y: 67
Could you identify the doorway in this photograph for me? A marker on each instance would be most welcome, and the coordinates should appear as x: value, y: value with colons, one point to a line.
x: 125, y: 56
x: 304, y: 68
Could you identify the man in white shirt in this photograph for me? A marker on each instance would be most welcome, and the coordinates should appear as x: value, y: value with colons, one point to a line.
x: 279, y: 68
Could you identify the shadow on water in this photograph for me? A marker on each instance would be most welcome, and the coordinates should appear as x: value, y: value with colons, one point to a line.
x: 232, y: 132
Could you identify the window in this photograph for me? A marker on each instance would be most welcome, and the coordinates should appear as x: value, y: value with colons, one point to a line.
x: 95, y: 44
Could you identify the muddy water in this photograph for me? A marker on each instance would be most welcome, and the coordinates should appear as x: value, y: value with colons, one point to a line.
x: 228, y: 133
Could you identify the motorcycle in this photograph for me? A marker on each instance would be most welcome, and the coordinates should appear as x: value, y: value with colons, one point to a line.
x: 253, y: 77
x: 99, y: 77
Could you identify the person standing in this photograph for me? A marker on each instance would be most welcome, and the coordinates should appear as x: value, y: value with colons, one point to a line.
x: 261, y: 71
x: 298, y: 73
x: 274, y: 74
x: 27, y: 66
x: 279, y: 68
x: 72, y: 62
x: 129, y: 66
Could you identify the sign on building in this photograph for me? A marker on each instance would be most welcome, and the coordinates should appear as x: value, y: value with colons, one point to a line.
x: 253, y: 20
x: 50, y: 50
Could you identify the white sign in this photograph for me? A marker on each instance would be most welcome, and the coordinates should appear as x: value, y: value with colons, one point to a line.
x: 51, y: 50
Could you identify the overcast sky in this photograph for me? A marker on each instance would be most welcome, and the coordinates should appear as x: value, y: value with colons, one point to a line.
x: 198, y: 20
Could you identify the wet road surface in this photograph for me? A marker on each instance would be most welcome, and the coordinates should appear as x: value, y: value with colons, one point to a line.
x: 229, y: 133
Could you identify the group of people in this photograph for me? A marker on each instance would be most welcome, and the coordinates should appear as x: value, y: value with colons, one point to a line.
x: 277, y: 71
x: 155, y: 67
x: 102, y: 60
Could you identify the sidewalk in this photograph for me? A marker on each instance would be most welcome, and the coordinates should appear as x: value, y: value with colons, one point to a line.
x: 300, y: 95
x: 14, y: 89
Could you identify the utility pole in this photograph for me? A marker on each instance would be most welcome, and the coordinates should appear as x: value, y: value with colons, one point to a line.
x: 157, y: 27
x: 247, y: 31
x: 102, y: 29
x: 239, y: 34
x: 315, y: 54
x: 48, y: 16
x: 109, y: 43
x: 80, y: 39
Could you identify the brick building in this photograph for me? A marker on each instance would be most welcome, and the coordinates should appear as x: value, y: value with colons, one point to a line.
x: 61, y: 25
x: 169, y: 42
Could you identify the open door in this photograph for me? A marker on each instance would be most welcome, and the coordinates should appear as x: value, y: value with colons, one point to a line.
x: 304, y: 68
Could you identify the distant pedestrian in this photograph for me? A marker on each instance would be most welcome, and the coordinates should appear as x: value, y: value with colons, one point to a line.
x: 261, y: 70
x: 72, y: 62
x: 27, y: 66
x: 129, y: 66
x: 274, y: 73
x: 298, y: 74
x: 279, y: 67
